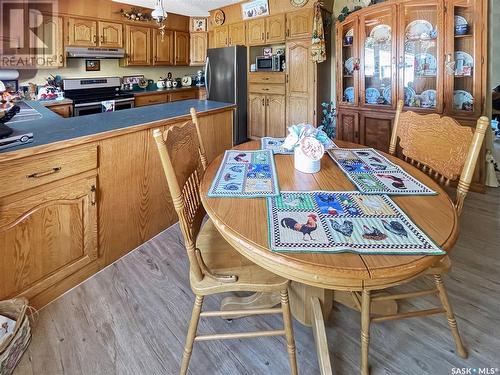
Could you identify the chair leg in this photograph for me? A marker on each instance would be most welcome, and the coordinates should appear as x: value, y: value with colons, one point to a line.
x: 365, y: 330
x: 193, y: 326
x: 287, y: 322
x: 461, y: 350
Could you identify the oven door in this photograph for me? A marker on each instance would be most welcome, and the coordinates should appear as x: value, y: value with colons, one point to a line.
x: 82, y: 109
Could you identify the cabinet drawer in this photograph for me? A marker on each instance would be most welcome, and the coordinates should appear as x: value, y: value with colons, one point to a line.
x: 175, y: 96
x: 266, y: 78
x: 142, y: 100
x: 33, y: 171
x: 266, y: 89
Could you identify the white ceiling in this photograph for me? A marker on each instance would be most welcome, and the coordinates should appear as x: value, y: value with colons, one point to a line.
x: 194, y: 8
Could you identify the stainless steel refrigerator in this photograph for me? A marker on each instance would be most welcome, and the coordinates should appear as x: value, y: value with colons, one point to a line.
x: 226, y: 81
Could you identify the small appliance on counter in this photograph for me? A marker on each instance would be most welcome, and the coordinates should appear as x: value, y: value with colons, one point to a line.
x: 88, y: 94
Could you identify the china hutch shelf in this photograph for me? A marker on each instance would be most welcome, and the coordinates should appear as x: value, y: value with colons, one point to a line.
x: 429, y: 53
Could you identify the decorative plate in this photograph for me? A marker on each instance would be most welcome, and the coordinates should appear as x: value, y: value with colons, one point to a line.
x: 349, y: 65
x: 186, y: 81
x: 381, y: 33
x: 462, y: 100
x: 468, y: 60
x: 350, y: 32
x: 425, y: 64
x: 219, y: 17
x: 419, y: 29
x: 459, y: 20
x: 349, y: 94
x: 409, y: 94
x: 428, y: 98
x: 387, y: 94
x: 463, y: 64
x: 298, y: 3
x: 372, y: 95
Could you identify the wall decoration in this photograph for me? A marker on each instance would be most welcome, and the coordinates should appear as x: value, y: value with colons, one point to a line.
x: 219, y: 17
x: 267, y: 51
x: 298, y: 3
x: 255, y: 8
x: 199, y: 24
x: 135, y: 14
x: 92, y: 65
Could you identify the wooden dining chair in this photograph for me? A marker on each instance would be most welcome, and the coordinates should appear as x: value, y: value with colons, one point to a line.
x: 446, y: 151
x: 215, y: 266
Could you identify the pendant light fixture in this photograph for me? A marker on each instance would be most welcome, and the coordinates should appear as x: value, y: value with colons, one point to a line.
x: 159, y: 15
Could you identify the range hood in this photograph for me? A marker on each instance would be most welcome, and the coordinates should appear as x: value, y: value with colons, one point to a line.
x: 95, y: 53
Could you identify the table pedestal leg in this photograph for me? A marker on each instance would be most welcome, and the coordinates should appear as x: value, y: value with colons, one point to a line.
x: 300, y: 295
x: 319, y: 332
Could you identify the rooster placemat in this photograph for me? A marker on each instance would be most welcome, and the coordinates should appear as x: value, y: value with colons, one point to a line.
x: 373, y: 173
x: 245, y: 174
x: 349, y: 221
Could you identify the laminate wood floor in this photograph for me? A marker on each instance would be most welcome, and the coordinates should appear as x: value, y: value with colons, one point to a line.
x: 132, y: 318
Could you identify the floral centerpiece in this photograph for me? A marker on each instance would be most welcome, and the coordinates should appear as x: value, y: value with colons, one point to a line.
x: 309, y: 144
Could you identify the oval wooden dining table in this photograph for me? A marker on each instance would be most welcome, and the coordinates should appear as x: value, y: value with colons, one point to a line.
x: 243, y: 223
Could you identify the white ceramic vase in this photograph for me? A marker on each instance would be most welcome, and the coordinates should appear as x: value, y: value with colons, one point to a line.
x: 303, y: 163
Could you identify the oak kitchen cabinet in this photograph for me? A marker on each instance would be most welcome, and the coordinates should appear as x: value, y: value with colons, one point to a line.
x: 163, y: 48
x: 50, y: 44
x: 137, y: 46
x: 266, y: 113
x: 221, y: 36
x: 91, y: 33
x: 299, y: 24
x: 266, y: 30
x: 198, y: 47
x: 181, y: 46
x: 237, y: 34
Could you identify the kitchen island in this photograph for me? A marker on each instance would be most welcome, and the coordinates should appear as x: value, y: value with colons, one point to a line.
x: 87, y: 191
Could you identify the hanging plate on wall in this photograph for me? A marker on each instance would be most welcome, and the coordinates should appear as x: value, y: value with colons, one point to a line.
x: 219, y: 17
x: 298, y: 3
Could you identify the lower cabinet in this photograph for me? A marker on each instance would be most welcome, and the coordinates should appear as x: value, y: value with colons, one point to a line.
x: 348, y: 126
x: 46, y: 235
x: 375, y: 130
x: 266, y: 115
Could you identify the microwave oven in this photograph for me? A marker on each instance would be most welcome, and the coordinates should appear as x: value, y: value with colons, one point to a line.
x: 269, y: 63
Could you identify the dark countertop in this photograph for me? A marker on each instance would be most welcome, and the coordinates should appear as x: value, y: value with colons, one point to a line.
x: 52, y: 128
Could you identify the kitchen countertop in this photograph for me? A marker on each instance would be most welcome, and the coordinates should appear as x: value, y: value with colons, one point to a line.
x: 52, y: 128
x: 152, y: 89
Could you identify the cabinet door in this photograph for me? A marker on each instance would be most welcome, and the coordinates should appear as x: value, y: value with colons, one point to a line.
x: 47, y: 236
x: 275, y: 29
x: 375, y: 130
x: 256, y: 32
x: 300, y: 83
x: 181, y: 48
x: 465, y: 59
x: 221, y: 36
x: 237, y: 34
x: 256, y: 115
x: 198, y: 48
x: 275, y: 116
x: 82, y: 32
x: 163, y: 48
x: 47, y: 40
x: 110, y: 34
x: 378, y: 41
x: 421, y: 73
x: 299, y: 24
x: 347, y: 42
x: 348, y: 126
x: 138, y: 46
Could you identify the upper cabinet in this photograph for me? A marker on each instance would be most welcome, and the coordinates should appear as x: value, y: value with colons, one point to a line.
x: 198, y: 47
x: 137, y: 45
x: 82, y: 32
x: 221, y: 36
x: 256, y: 33
x: 163, y: 48
x: 181, y: 45
x: 237, y: 34
x: 299, y: 23
x: 48, y: 42
x: 110, y: 34
x: 275, y: 29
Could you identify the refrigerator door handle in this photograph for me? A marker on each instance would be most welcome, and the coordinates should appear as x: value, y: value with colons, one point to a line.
x: 207, y: 77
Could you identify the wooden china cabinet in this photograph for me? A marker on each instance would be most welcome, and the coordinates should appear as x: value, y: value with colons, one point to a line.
x: 431, y: 54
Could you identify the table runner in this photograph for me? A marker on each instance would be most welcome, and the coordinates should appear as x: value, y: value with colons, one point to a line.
x: 275, y: 145
x: 373, y: 173
x: 245, y: 174
x: 346, y: 221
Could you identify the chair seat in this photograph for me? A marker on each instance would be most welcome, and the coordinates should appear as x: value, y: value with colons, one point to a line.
x: 222, y: 259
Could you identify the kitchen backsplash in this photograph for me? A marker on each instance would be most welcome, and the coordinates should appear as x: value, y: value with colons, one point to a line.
x: 109, y: 68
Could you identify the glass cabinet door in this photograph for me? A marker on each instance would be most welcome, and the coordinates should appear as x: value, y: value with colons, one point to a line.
x: 378, y: 49
x: 463, y: 58
x: 347, y: 41
x: 421, y: 83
